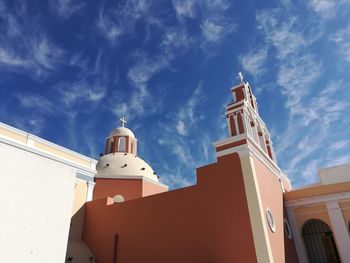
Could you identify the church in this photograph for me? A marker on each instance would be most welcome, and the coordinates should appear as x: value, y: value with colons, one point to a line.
x: 60, y: 206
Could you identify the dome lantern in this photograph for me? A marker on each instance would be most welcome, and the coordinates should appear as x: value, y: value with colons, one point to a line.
x: 121, y: 139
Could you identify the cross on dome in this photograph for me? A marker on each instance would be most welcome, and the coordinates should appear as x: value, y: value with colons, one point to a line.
x: 122, y: 121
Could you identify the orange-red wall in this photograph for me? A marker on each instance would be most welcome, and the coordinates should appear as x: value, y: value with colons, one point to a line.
x: 208, y: 222
x: 128, y: 188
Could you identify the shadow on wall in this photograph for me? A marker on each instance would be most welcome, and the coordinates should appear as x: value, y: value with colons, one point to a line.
x: 289, y: 246
x: 77, y: 250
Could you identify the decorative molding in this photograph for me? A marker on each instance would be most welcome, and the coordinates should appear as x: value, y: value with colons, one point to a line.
x: 317, y: 199
x: 46, y: 155
x: 31, y: 139
x: 85, y: 177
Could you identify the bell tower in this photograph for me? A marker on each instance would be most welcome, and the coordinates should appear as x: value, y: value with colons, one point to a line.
x: 244, y: 122
x: 247, y: 156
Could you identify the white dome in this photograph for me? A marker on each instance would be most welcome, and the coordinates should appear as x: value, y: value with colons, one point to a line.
x: 121, y: 131
x: 119, y: 165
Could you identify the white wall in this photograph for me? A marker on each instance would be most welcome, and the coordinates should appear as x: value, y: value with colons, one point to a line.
x: 36, y: 195
x: 335, y: 174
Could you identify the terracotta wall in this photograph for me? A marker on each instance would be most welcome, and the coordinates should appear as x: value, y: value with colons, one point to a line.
x: 289, y: 246
x: 208, y: 222
x: 272, y: 198
x: 128, y: 188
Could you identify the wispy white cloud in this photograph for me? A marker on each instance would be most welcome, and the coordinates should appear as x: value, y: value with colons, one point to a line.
x: 145, y: 68
x: 339, y: 145
x: 281, y: 34
x: 187, y: 116
x: 184, y: 8
x: 298, y: 73
x: 114, y: 22
x: 183, y: 124
x: 212, y: 31
x: 254, y: 61
x: 66, y: 8
x: 35, y: 102
x: 139, y: 103
x: 175, y: 177
x: 326, y: 8
x: 24, y: 47
x: 81, y: 91
x: 312, y: 110
x: 337, y: 160
x: 342, y: 39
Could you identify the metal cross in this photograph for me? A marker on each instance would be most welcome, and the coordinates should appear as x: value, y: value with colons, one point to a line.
x: 122, y: 121
x: 240, y: 75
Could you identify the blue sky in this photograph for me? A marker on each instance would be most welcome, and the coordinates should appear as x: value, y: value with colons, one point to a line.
x: 70, y: 68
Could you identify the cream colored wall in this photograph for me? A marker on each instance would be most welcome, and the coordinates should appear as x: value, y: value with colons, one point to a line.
x: 36, y: 195
x: 43, y: 190
x: 80, y: 194
x: 303, y: 214
x: 319, y: 211
x: 256, y: 211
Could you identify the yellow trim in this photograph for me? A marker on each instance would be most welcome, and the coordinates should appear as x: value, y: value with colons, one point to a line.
x: 13, y: 135
x: 256, y: 211
x: 62, y: 154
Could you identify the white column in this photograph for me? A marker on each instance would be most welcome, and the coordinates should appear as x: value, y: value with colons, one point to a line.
x: 228, y: 125
x: 298, y: 241
x: 247, y: 126
x: 340, y: 230
x: 262, y: 141
x: 236, y: 123
x: 90, y: 191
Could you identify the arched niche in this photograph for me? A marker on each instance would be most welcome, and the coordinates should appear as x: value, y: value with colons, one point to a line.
x: 122, y: 144
x: 319, y: 242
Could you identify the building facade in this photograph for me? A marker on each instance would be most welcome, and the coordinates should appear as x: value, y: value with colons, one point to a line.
x: 241, y: 209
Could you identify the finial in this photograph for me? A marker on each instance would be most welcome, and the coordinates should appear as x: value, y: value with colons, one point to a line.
x: 240, y: 75
x: 122, y: 121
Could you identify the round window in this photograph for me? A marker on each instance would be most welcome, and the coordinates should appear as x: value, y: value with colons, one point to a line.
x: 270, y: 220
x: 287, y: 229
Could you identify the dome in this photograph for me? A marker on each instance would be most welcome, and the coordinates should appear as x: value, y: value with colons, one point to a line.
x: 121, y: 131
x: 123, y: 165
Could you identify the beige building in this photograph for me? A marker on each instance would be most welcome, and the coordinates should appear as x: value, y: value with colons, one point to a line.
x: 320, y: 216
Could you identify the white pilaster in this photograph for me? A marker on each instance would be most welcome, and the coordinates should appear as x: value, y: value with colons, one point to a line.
x: 229, y: 125
x: 236, y: 123
x: 340, y: 230
x: 262, y: 141
x: 298, y: 241
x: 90, y: 191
